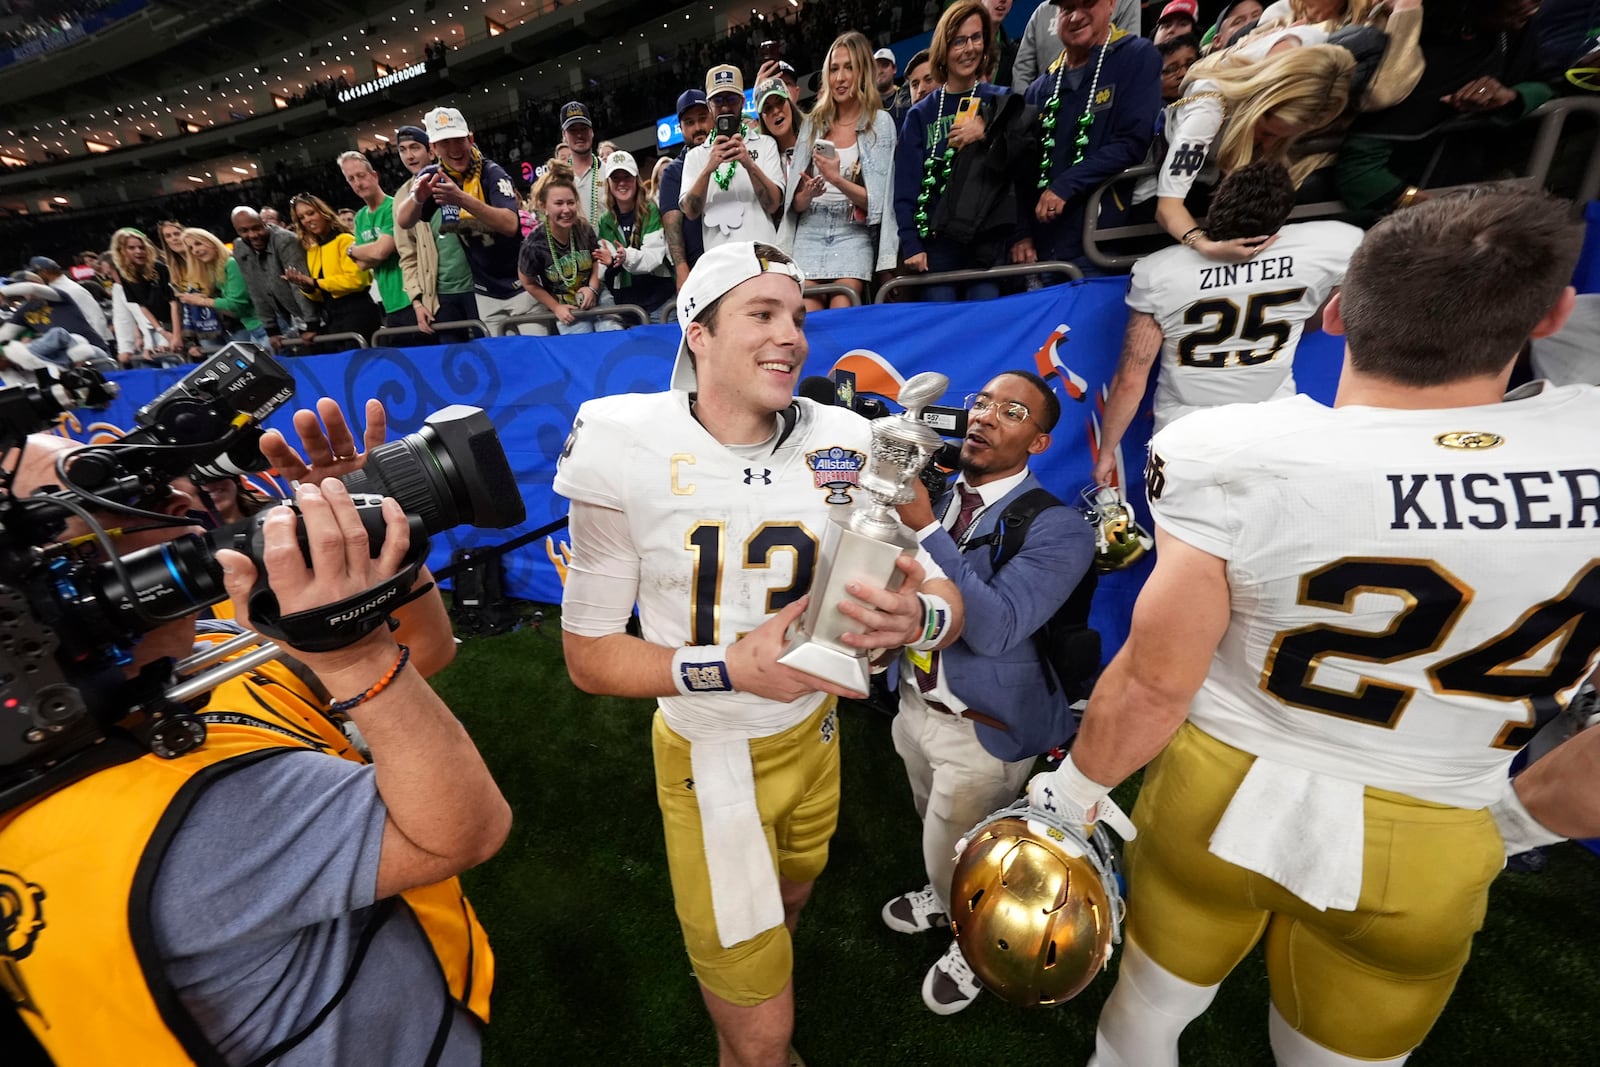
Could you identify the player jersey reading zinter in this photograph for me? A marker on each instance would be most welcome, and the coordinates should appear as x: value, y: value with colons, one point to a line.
x: 1413, y: 592
x: 724, y: 540
x: 1230, y: 329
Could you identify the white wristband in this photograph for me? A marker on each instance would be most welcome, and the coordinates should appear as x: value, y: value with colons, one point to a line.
x: 1078, y: 787
x: 1518, y: 828
x: 935, y: 621
x: 701, y: 669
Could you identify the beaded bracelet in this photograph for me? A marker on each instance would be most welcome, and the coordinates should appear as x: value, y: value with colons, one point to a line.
x: 377, y: 687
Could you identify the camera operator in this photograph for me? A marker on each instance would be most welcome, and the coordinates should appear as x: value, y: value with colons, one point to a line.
x: 273, y: 894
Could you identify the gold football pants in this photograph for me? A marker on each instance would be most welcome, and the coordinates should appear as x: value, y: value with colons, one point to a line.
x: 797, y: 795
x: 1367, y: 983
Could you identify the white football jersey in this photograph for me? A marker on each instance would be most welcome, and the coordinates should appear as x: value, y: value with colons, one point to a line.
x: 1230, y: 329
x: 1413, y: 592
x: 724, y: 540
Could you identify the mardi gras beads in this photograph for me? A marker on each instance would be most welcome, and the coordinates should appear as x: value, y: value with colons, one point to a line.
x: 1080, y: 142
x: 935, y: 172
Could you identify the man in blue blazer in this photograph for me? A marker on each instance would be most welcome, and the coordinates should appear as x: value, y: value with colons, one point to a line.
x: 973, y: 717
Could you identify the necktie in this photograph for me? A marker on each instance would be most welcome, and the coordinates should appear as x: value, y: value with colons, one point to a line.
x: 971, y: 504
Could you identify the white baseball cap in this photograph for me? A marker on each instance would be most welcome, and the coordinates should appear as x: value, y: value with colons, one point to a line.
x: 443, y: 123
x: 619, y: 160
x: 716, y: 274
x: 886, y: 55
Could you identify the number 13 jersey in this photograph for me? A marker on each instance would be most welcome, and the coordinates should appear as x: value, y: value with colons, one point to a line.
x: 1230, y: 330
x: 725, y: 536
x: 1412, y: 592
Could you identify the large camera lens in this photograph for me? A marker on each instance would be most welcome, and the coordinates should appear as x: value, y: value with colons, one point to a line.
x: 450, y: 472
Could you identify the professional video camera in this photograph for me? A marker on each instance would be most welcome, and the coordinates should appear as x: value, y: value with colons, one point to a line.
x: 839, y: 390
x: 71, y: 610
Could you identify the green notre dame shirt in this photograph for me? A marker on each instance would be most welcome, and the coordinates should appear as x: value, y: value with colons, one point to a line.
x: 370, y: 225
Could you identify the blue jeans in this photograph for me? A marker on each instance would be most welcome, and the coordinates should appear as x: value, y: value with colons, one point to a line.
x: 947, y: 255
x: 258, y: 335
x: 599, y: 325
x: 453, y: 307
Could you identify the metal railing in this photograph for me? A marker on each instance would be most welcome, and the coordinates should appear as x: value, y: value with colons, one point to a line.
x: 1551, y: 118
x: 478, y: 325
x: 548, y: 318
x: 961, y: 277
x: 323, y: 338
x: 832, y: 289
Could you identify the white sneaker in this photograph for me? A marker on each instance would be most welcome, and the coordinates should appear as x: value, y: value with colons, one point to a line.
x: 950, y: 984
x: 915, y: 912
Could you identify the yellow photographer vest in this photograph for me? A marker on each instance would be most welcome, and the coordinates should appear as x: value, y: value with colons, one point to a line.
x: 77, y: 954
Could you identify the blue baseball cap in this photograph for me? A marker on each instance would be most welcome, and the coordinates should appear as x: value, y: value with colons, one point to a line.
x: 690, y: 98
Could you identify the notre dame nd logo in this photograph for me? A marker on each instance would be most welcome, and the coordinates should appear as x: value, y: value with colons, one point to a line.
x: 1187, y: 158
x: 21, y: 919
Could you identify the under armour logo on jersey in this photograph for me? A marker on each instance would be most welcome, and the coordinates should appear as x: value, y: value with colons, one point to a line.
x: 750, y: 476
x: 1188, y: 158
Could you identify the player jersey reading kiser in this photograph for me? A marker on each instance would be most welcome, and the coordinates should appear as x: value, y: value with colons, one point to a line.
x: 725, y: 537
x: 1230, y: 329
x: 1413, y: 592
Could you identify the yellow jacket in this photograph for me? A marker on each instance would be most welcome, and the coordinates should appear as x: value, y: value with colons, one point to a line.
x: 335, y: 273
x: 77, y: 955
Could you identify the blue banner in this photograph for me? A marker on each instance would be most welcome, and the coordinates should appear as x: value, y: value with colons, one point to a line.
x: 532, y: 386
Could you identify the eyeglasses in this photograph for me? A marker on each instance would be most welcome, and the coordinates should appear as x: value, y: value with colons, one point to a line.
x: 1010, y: 410
x: 973, y: 41
x: 1176, y: 68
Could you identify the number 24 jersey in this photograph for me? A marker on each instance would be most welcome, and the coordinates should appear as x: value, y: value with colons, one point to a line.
x: 1413, y: 592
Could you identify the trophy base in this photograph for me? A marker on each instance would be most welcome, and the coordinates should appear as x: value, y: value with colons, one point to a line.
x: 846, y: 556
x: 842, y: 668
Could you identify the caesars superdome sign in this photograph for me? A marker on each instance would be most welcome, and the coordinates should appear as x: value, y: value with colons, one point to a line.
x: 378, y: 85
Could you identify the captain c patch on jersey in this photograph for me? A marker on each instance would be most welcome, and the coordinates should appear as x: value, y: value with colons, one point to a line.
x: 837, y: 470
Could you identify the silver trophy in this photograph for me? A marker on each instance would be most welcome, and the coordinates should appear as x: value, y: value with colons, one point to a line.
x: 863, y: 544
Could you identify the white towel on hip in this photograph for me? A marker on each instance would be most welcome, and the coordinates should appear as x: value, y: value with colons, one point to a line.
x: 744, y: 876
x: 1303, y: 830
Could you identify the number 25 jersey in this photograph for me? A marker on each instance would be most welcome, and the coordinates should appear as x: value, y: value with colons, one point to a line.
x: 725, y: 537
x: 1230, y: 330
x: 1413, y: 592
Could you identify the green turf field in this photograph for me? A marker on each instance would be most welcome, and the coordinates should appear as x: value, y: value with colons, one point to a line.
x: 591, y: 969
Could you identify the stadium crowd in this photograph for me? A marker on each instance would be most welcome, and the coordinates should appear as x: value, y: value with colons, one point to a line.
x: 1357, y: 846
x: 25, y: 21
x: 979, y: 151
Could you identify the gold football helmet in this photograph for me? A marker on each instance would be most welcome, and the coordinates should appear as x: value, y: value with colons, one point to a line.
x: 1119, y: 540
x: 1035, y: 904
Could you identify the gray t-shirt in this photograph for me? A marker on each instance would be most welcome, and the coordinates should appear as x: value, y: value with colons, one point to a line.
x: 258, y: 908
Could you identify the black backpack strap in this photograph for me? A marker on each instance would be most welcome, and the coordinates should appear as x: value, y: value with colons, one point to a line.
x: 1070, y: 623
x: 1012, y: 529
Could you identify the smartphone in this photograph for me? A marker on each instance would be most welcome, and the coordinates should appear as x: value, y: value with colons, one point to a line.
x: 968, y: 108
x: 769, y: 51
x: 826, y: 150
x: 727, y: 125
